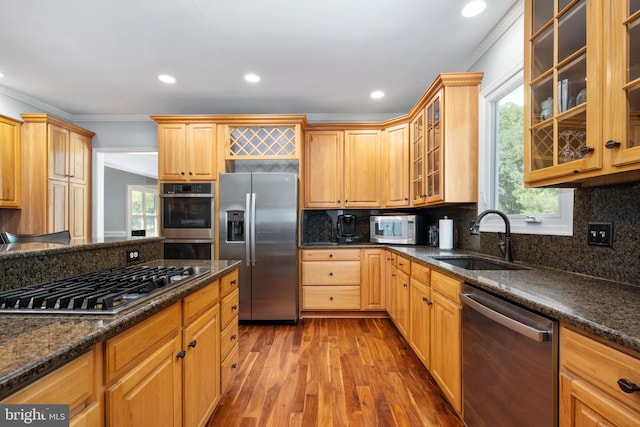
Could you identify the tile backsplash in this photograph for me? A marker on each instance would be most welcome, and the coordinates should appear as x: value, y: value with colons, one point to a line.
x: 618, y: 204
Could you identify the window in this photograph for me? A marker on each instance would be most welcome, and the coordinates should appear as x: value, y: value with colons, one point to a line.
x: 142, y: 209
x: 530, y: 210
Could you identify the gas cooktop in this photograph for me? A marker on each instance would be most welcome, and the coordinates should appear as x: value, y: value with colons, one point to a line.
x: 101, y: 292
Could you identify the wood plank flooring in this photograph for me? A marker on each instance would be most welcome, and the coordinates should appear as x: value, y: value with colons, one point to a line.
x: 330, y: 372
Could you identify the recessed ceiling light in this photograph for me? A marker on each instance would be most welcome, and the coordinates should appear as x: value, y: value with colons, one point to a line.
x: 252, y: 78
x: 165, y: 78
x: 1, y: 75
x: 473, y: 8
x: 377, y: 94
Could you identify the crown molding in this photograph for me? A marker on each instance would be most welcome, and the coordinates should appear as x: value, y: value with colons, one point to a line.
x: 512, y: 15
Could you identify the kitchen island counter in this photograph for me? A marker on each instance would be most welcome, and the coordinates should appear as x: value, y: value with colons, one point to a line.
x: 604, y: 308
x: 36, y: 344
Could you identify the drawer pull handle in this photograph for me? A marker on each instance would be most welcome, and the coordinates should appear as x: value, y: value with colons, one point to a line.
x: 233, y: 282
x: 193, y: 343
x: 405, y: 285
x: 234, y: 366
x: 330, y: 298
x: 181, y: 355
x: 331, y: 273
x: 234, y: 307
x: 330, y: 255
x: 627, y: 386
x: 425, y: 299
x: 233, y: 337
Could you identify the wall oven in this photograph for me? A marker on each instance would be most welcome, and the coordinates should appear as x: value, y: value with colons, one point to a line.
x: 187, y: 221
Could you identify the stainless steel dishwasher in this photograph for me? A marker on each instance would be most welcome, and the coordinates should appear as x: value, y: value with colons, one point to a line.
x: 509, y: 363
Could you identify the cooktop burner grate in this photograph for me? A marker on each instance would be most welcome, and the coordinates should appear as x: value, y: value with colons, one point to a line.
x: 106, y: 291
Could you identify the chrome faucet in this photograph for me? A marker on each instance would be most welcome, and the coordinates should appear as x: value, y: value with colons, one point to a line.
x: 504, y: 244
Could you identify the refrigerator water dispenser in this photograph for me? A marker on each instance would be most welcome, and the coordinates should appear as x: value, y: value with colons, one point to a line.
x: 235, y: 226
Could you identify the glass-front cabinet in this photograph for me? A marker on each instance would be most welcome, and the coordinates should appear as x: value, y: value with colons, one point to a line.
x: 624, y: 142
x: 583, y: 97
x: 434, y: 151
x: 418, y: 181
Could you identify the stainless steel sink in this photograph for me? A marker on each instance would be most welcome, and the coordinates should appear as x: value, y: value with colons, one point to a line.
x: 477, y: 263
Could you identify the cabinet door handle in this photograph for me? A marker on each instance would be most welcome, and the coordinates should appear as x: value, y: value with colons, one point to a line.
x: 611, y: 144
x: 193, y: 344
x: 585, y: 150
x: 190, y: 173
x: 425, y: 299
x: 233, y: 337
x: 181, y: 355
x: 234, y: 307
x: 234, y: 365
x: 405, y: 285
x: 233, y: 282
x: 627, y: 386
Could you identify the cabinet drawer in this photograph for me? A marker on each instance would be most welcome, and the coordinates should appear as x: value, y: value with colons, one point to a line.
x: 420, y: 273
x: 131, y: 347
x: 228, y: 339
x: 228, y: 283
x: 228, y: 369
x: 75, y: 384
x: 331, y: 273
x: 330, y: 254
x: 600, y: 365
x: 403, y: 264
x: 446, y: 285
x: 199, y: 301
x: 331, y: 297
x: 229, y: 308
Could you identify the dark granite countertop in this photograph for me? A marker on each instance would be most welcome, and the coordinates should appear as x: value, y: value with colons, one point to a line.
x: 34, y: 345
x: 20, y: 250
x: 604, y: 308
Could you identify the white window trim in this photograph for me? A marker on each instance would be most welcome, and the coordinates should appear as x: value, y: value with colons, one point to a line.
x: 143, y: 188
x: 560, y: 224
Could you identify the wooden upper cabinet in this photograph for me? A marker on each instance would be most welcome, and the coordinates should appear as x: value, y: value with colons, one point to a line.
x: 56, y: 177
x: 323, y: 160
x: 444, y: 142
x: 10, y: 153
x: 343, y: 169
x: 582, y: 92
x: 396, y: 166
x: 187, y: 151
x: 362, y: 169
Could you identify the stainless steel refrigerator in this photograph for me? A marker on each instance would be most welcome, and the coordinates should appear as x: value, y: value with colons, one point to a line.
x: 258, y: 224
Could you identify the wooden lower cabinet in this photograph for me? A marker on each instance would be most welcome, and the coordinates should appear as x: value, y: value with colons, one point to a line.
x: 151, y: 393
x: 420, y: 312
x: 589, y: 392
x: 330, y: 279
x: 230, y: 294
x: 77, y: 384
x: 372, y: 291
x: 446, y: 337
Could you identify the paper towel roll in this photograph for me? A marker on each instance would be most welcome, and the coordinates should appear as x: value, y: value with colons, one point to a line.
x: 446, y: 233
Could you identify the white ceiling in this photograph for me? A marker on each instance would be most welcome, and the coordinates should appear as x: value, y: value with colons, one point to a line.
x: 320, y: 57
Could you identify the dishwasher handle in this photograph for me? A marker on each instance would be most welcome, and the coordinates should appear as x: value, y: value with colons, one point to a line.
x: 506, y: 321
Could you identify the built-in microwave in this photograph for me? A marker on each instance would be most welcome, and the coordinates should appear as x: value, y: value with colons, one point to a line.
x: 398, y: 229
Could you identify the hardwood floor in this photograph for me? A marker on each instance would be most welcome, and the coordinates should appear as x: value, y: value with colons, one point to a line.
x: 330, y: 372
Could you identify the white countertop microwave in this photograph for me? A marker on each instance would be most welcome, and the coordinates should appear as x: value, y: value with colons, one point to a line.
x: 398, y: 229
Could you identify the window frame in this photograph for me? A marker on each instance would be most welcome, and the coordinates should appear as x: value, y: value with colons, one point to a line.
x: 560, y: 223
x: 144, y: 189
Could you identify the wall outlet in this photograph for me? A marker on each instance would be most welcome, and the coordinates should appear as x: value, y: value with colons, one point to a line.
x: 133, y: 255
x: 600, y: 234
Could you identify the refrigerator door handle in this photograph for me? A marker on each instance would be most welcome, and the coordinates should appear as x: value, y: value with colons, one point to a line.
x: 253, y: 229
x: 247, y: 238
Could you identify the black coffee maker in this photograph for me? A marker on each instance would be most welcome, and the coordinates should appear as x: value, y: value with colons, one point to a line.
x: 347, y: 229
